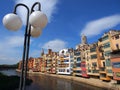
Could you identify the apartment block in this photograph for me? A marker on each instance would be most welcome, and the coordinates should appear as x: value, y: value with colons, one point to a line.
x: 65, y: 62
x: 115, y: 56
x: 93, y: 60
x: 77, y: 63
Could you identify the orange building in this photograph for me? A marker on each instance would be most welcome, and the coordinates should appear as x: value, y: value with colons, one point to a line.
x: 30, y: 63
x: 115, y: 61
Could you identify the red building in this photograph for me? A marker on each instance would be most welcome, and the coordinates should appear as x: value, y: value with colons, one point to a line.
x: 84, y: 70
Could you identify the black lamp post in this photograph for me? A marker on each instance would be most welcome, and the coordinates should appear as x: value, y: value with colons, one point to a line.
x: 35, y: 22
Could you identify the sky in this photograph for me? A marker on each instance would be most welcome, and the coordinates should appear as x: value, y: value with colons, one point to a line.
x: 67, y: 21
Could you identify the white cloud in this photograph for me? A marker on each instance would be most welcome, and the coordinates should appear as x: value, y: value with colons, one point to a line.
x: 10, y: 49
x: 55, y: 45
x: 8, y: 59
x: 11, y: 42
x: 97, y: 26
x: 47, y: 6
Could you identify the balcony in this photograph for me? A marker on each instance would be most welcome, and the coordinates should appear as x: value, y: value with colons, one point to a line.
x: 102, y: 68
x: 114, y: 55
x: 95, y: 71
x: 63, y: 65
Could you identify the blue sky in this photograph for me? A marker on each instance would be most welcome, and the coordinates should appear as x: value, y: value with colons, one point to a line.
x: 68, y: 19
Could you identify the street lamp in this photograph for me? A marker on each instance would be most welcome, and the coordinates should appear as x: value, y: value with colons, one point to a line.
x: 35, y: 22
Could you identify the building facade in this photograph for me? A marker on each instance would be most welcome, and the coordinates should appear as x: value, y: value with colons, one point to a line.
x: 77, y: 63
x: 65, y: 62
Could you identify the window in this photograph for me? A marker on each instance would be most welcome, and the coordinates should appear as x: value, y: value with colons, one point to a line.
x: 116, y: 64
x: 117, y: 46
x: 77, y: 71
x: 107, y: 45
x: 78, y: 59
x: 109, y: 71
x: 77, y: 53
x: 93, y: 49
x: 108, y: 63
x: 78, y: 64
x: 68, y: 70
x: 107, y: 53
x: 94, y: 64
x: 105, y: 38
x: 94, y: 56
x: 71, y: 60
x: 117, y: 37
x: 66, y: 60
x: 71, y: 65
x: 95, y: 71
x: 103, y: 64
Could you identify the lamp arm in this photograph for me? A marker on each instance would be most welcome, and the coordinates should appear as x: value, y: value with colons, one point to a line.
x: 20, y: 4
x: 39, y: 6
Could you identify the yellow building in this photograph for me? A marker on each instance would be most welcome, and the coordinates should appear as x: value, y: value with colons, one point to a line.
x: 77, y: 63
x: 92, y: 60
x: 43, y: 62
x: 106, y: 45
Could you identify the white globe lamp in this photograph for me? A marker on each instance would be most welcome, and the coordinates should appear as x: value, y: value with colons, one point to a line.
x: 12, y: 22
x: 36, y: 31
x: 38, y: 19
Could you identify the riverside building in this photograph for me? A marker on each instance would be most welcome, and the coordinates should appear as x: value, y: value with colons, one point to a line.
x: 115, y: 56
x: 65, y: 62
x: 100, y: 59
x: 80, y: 59
x: 77, y: 63
x: 106, y: 46
x: 93, y: 66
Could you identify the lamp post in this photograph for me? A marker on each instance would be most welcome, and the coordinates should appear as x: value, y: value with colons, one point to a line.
x: 35, y: 22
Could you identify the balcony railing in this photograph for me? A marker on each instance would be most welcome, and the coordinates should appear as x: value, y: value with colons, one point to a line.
x: 63, y: 65
x: 114, y: 55
x: 102, y: 68
x: 95, y: 71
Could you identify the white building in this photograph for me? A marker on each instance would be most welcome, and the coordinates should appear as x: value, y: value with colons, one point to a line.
x: 65, y: 62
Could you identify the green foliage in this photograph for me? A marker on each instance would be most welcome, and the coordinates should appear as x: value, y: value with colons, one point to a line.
x: 9, y: 66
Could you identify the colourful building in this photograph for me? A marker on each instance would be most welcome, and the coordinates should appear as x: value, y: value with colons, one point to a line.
x: 115, y: 56
x: 81, y: 57
x: 84, y: 55
x: 92, y: 60
x: 30, y: 63
x: 54, y: 62
x: 49, y: 62
x: 115, y: 61
x: 105, y: 46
